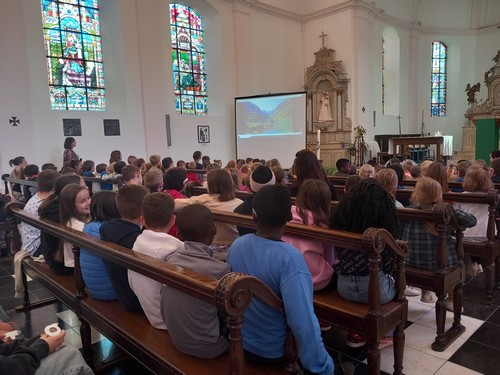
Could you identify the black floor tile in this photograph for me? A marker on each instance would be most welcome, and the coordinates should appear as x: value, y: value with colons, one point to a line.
x: 487, y: 334
x: 478, y: 310
x: 477, y: 357
x: 495, y: 318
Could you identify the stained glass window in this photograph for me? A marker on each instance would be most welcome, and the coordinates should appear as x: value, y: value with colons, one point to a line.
x: 188, y: 60
x: 72, y: 41
x: 438, y: 80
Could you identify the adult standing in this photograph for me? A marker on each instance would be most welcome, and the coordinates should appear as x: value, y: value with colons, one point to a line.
x: 69, y: 154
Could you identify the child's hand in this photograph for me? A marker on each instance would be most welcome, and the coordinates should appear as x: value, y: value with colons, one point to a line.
x: 54, y: 341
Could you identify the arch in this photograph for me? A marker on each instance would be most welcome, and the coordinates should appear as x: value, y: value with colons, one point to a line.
x: 390, y: 71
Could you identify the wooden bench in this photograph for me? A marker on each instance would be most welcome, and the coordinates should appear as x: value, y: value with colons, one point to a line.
x: 232, y: 295
x: 373, y: 319
x: 486, y: 247
x: 445, y: 277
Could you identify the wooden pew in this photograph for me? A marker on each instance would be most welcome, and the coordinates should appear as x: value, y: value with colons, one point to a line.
x: 232, y: 295
x: 487, y: 247
x: 445, y: 277
x: 373, y: 319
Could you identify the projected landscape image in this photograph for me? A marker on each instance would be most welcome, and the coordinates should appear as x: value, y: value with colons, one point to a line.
x: 267, y: 116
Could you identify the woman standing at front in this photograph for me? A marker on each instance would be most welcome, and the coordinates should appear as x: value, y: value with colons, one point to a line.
x: 69, y: 154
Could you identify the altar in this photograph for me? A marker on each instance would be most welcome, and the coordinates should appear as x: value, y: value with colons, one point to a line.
x: 443, y: 144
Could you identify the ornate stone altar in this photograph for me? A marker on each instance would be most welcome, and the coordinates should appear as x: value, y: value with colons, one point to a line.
x: 326, y: 86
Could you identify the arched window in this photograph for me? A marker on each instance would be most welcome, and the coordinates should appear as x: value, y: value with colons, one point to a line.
x: 74, y: 57
x: 438, y: 80
x: 188, y: 60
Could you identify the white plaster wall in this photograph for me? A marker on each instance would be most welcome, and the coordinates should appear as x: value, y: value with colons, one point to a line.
x: 250, y: 50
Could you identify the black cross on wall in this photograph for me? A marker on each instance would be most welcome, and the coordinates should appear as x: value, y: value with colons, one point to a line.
x: 14, y: 121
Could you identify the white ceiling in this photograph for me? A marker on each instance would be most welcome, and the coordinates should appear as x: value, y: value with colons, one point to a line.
x: 453, y: 14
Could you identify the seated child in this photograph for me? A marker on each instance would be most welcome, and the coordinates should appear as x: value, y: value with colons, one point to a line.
x: 282, y: 267
x: 31, y: 172
x: 132, y: 175
x: 101, y: 170
x: 153, y: 180
x: 194, y: 325
x: 157, y: 217
x: 103, y: 208
x: 124, y: 232
x: 30, y: 236
x: 191, y: 176
x: 173, y: 183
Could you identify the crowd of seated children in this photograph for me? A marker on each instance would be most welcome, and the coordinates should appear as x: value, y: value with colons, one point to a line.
x: 366, y: 204
x: 423, y: 236
x: 74, y: 204
x: 195, y: 326
x: 30, y: 236
x: 52, y: 248
x: 124, y: 231
x: 157, y: 218
x: 281, y: 267
x: 220, y: 196
x: 103, y: 209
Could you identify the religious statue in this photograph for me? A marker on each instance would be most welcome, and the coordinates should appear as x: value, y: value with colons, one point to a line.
x: 471, y: 92
x: 325, y: 114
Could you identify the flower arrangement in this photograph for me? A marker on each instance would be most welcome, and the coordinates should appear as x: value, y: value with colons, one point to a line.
x: 359, y: 131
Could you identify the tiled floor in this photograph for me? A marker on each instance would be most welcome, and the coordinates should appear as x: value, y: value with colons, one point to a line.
x: 477, y: 351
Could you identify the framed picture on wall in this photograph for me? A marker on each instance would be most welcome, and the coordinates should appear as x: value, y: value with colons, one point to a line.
x: 203, y: 134
x: 111, y: 127
x: 72, y: 127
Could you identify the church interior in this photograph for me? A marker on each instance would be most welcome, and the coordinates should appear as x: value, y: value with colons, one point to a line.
x: 369, y: 76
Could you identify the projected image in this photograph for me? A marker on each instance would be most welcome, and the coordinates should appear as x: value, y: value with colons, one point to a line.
x: 274, y: 115
x: 271, y: 126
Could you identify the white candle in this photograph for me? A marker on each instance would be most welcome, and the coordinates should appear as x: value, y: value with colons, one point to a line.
x: 318, y: 143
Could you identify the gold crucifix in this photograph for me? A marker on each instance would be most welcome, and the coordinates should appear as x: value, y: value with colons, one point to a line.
x: 323, y: 36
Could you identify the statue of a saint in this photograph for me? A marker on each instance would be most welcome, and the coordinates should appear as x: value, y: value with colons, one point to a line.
x: 325, y: 114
